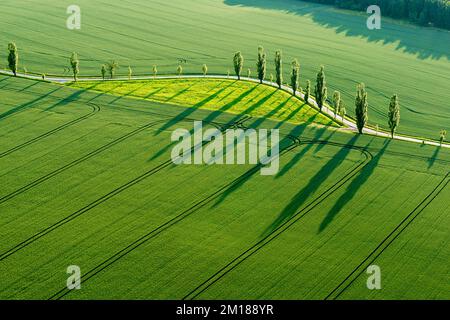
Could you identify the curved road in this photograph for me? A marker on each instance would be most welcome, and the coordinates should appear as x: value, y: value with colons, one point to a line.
x: 348, y: 123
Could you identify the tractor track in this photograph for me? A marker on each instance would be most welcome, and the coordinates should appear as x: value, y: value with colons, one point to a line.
x: 86, y: 157
x: 98, y: 201
x: 288, y: 223
x: 137, y: 243
x: 76, y: 162
x: 173, y: 221
x: 95, y: 109
x: 388, y: 240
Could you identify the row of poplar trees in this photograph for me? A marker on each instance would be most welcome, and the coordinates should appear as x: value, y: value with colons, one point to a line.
x: 320, y: 89
x: 361, y: 101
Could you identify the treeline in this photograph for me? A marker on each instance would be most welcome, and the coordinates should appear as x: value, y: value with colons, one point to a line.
x: 423, y: 12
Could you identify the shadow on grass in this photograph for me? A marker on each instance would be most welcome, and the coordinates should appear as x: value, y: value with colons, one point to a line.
x: 71, y: 98
x: 314, y: 183
x: 190, y: 110
x: 353, y: 188
x: 28, y: 104
x: 433, y: 158
x: 423, y: 42
x: 300, y: 154
x: 210, y: 118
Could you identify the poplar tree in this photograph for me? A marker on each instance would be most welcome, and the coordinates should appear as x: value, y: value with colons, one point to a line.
x: 361, y: 105
x: 75, y: 65
x: 394, y: 114
x: 112, y: 67
x: 130, y: 72
x: 336, y: 102
x: 261, y: 64
x: 279, y: 68
x: 103, y: 71
x: 294, y: 76
x: 13, y: 58
x: 321, y: 88
x: 307, y: 91
x: 238, y: 62
x: 205, y: 70
x: 443, y: 133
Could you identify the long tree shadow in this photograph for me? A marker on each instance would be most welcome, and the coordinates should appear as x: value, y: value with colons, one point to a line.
x: 353, y: 188
x: 210, y: 118
x: 128, y: 94
x: 29, y: 86
x: 181, y: 92
x: 433, y: 158
x: 237, y: 184
x: 66, y: 100
x: 300, y: 198
x: 190, y: 110
x: 27, y: 104
x: 299, y: 155
x: 422, y: 42
x: 253, y: 107
x: 271, y: 113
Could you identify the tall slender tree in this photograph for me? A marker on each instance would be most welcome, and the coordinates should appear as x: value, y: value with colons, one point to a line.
x: 342, y: 111
x: 13, y: 58
x: 75, y: 65
x: 442, y: 136
x: 295, y: 76
x: 130, y: 72
x: 112, y: 67
x: 279, y: 68
x: 155, y: 71
x: 307, y: 91
x: 321, y: 90
x: 180, y: 70
x: 238, y: 62
x: 361, y: 105
x: 336, y: 102
x: 204, y: 70
x: 261, y: 64
x: 103, y: 71
x: 394, y: 114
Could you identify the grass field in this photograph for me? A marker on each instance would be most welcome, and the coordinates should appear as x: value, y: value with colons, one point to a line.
x: 399, y: 58
x: 87, y: 180
x: 230, y: 96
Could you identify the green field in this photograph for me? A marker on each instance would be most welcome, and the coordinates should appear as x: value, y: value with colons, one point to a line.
x: 399, y: 58
x: 220, y: 95
x: 87, y: 177
x: 87, y: 180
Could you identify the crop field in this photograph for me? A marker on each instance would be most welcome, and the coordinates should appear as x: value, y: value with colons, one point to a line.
x: 88, y: 175
x: 411, y: 61
x: 87, y: 180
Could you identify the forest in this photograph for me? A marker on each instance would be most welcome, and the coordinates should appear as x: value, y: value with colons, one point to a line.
x: 423, y: 12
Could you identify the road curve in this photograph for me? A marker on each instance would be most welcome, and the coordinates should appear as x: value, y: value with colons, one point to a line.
x: 347, y: 122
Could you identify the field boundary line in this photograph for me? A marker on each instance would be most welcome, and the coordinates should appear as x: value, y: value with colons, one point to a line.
x: 388, y: 240
x: 95, y: 110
